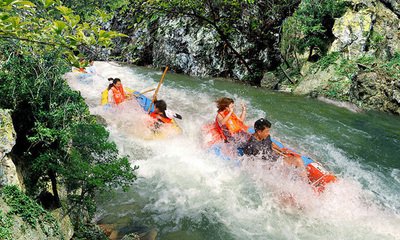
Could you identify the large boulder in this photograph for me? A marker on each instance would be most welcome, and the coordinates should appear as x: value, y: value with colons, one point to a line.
x: 368, y: 27
x: 8, y: 172
x: 352, y: 32
x: 376, y: 90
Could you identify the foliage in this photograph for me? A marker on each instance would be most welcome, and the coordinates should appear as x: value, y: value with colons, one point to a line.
x: 6, y: 223
x: 49, y: 23
x: 328, y: 60
x: 89, y: 231
x: 310, y: 27
x: 30, y: 212
x: 47, y: 114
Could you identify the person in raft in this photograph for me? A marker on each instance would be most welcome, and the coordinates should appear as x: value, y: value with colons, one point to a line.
x: 260, y: 144
x: 231, y: 127
x: 116, y: 92
x: 162, y: 115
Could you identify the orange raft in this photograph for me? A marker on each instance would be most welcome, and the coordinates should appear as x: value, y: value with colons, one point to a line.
x: 318, y: 176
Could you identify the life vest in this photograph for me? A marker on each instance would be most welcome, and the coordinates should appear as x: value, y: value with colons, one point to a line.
x: 213, y: 133
x: 234, y: 124
x: 104, y: 97
x: 160, y: 118
x: 118, y: 94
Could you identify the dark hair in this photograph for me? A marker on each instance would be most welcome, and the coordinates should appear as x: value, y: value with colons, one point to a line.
x: 162, y: 106
x: 223, y: 103
x: 114, y: 81
x: 261, y: 124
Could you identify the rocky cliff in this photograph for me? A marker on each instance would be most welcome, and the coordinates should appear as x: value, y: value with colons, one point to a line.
x: 360, y: 64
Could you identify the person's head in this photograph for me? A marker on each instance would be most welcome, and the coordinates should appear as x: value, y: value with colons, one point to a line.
x: 91, y: 62
x: 160, y: 106
x: 117, y: 82
x: 224, y: 103
x: 262, y: 127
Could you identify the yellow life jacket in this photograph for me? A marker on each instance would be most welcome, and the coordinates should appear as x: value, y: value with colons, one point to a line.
x: 104, y: 97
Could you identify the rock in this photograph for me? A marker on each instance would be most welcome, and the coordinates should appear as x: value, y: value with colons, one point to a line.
x: 313, y: 81
x: 352, y: 31
x: 367, y: 27
x: 386, y: 28
x: 132, y: 236
x: 269, y: 81
x: 66, y: 227
x: 375, y: 90
x: 8, y: 171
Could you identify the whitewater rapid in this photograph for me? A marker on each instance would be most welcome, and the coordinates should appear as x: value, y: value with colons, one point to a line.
x: 187, y: 192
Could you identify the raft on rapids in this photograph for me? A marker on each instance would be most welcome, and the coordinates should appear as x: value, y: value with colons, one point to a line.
x: 146, y: 104
x: 318, y: 176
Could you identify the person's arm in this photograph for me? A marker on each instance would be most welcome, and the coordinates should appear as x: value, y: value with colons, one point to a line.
x: 110, y: 96
x: 243, y: 115
x: 223, y: 120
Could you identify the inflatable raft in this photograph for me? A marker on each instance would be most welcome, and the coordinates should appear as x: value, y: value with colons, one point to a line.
x: 172, y: 128
x: 318, y: 176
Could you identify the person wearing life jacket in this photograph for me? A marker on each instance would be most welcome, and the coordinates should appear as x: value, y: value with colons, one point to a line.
x: 231, y: 128
x: 159, y: 113
x: 260, y: 145
x: 115, y: 93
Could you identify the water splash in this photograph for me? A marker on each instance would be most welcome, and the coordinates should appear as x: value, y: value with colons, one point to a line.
x: 187, y: 192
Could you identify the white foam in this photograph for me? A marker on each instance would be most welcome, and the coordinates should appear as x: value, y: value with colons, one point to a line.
x: 179, y: 179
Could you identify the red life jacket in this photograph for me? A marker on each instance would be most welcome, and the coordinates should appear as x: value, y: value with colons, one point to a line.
x: 118, y: 94
x: 160, y: 117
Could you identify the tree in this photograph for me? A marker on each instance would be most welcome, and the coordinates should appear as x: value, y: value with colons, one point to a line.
x: 49, y: 23
x: 310, y: 28
x: 51, y: 120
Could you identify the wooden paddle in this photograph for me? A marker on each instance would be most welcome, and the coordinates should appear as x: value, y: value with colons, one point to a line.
x: 158, y: 88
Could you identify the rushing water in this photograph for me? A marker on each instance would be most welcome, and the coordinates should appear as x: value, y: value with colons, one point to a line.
x: 185, y: 192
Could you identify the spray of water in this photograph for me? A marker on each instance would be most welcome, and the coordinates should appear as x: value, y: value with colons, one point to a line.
x: 182, y: 187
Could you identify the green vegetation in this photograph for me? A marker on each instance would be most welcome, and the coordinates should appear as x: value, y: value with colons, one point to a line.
x: 31, y: 212
x: 310, y: 28
x: 6, y: 223
x: 58, y: 141
x: 52, y: 26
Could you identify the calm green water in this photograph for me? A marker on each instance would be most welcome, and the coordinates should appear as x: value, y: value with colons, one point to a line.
x: 185, y: 192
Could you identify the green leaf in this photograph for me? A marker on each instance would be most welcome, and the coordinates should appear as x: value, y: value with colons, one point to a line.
x: 47, y: 3
x: 59, y: 26
x: 64, y: 10
x: 72, y: 20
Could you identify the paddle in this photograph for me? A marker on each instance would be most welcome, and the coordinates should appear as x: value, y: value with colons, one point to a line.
x: 158, y: 88
x: 143, y: 92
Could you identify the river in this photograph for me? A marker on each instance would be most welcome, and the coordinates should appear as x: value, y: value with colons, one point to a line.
x: 185, y: 192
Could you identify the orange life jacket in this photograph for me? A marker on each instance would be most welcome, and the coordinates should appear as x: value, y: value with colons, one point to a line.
x: 118, y: 94
x: 214, y: 133
x: 234, y: 124
x: 160, y: 117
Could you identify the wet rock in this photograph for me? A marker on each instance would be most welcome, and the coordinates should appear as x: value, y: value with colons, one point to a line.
x: 270, y: 81
x: 376, y: 90
x: 367, y: 27
x: 8, y: 171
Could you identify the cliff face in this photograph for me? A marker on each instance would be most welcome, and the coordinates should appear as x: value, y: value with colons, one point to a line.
x: 364, y: 64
